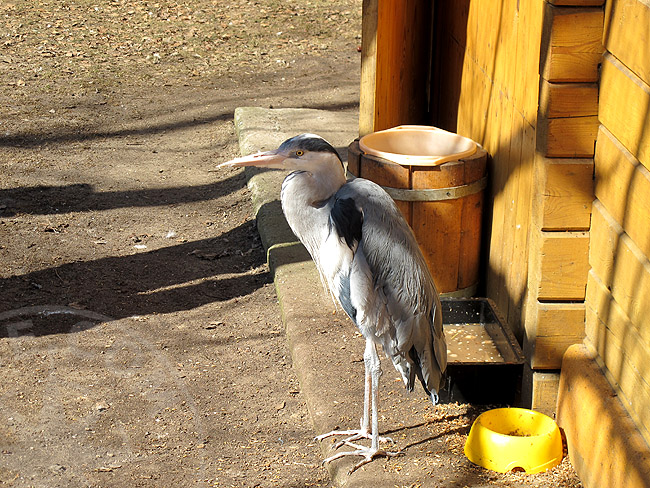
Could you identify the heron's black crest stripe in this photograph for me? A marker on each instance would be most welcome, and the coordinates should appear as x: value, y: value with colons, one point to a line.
x: 347, y: 220
x: 308, y: 142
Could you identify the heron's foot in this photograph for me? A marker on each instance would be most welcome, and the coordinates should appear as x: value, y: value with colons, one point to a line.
x: 353, y: 435
x: 367, y: 453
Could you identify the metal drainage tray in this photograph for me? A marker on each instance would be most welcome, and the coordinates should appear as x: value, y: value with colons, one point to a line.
x: 484, y: 358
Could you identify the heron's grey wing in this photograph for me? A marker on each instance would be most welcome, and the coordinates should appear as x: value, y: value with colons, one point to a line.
x: 406, y: 306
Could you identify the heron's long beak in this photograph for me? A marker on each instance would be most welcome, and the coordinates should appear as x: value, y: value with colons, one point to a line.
x: 269, y: 159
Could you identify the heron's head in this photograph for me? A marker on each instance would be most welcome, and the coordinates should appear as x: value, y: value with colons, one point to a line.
x: 305, y: 152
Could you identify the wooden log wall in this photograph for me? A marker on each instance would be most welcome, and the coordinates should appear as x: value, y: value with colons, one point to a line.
x: 567, y: 124
x: 526, y: 76
x: 618, y: 288
x: 570, y: 54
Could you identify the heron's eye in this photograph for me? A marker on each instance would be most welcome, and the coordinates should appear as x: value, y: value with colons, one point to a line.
x: 300, y: 152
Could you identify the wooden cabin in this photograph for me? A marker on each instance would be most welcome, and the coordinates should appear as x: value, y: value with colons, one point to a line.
x: 558, y: 93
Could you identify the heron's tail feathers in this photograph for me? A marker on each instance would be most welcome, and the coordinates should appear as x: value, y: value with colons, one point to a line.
x: 427, y: 370
x: 434, y: 398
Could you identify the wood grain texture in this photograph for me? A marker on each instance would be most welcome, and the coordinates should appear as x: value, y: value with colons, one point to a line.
x: 627, y: 28
x: 623, y: 186
x: 564, y: 193
x: 623, y: 350
x: 571, y: 44
x: 551, y: 329
x: 568, y: 99
x: 567, y: 137
x: 621, y: 266
x: 559, y: 266
x: 625, y: 108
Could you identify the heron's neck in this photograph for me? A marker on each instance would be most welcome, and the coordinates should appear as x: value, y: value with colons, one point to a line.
x: 305, y: 193
x: 315, y: 184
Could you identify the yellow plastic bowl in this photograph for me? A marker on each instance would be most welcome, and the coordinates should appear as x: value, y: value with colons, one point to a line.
x: 506, y: 439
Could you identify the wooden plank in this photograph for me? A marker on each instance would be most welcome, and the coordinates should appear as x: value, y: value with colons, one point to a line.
x: 518, y: 271
x: 548, y: 350
x: 623, y: 186
x: 576, y: 3
x: 472, y: 28
x: 564, y: 192
x: 505, y: 53
x: 623, y: 351
x: 627, y: 28
x: 368, y: 67
x: 484, y: 50
x: 396, y: 37
x: 391, y: 25
x: 403, y: 41
x: 474, y: 103
x: 571, y: 44
x: 622, y: 268
x: 539, y: 390
x: 500, y: 152
x: 530, y: 36
x: 625, y: 108
x: 602, y: 304
x: 551, y: 328
x: 437, y: 224
x: 522, y: 147
x: 567, y: 137
x: 508, y: 161
x: 472, y: 223
x: 605, y: 235
x: 567, y: 194
x: 631, y: 284
x: 605, y: 445
x: 568, y: 99
x: 614, y: 168
x: 558, y: 265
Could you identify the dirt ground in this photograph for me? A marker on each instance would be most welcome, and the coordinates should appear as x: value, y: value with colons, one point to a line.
x: 140, y: 337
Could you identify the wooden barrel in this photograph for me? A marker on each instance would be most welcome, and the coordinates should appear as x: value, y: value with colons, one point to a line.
x: 443, y: 205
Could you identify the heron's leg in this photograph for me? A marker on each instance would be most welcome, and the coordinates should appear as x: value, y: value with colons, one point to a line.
x: 364, y: 432
x: 375, y: 374
x: 365, y: 421
x: 373, y: 365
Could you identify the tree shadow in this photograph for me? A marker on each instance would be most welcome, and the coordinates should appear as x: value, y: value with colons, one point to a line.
x: 82, y: 197
x: 144, y: 127
x: 169, y: 279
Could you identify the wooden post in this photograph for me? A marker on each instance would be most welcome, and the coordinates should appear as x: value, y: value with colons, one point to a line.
x: 395, y: 64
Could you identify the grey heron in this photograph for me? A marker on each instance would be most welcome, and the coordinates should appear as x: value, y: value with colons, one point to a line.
x: 369, y: 259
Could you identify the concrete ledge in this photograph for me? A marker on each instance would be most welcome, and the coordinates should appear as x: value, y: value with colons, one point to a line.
x: 605, y: 446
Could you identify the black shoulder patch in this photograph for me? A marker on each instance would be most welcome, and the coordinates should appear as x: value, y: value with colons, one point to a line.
x: 347, y: 219
x: 344, y: 298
